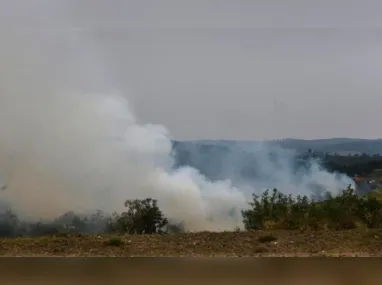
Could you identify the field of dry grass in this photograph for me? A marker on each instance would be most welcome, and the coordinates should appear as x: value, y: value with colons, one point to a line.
x: 205, y: 244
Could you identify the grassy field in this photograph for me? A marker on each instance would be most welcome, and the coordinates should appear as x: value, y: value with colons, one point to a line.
x: 226, y: 244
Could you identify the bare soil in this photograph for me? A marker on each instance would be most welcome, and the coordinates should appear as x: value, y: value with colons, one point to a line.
x: 204, y: 244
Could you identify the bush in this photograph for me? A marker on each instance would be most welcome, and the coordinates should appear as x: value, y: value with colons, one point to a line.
x: 141, y: 217
x: 345, y: 211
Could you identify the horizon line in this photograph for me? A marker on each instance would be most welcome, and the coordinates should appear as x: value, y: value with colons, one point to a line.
x: 279, y: 139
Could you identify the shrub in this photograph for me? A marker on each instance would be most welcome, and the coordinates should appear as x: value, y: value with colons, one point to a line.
x: 141, y: 217
x: 345, y: 211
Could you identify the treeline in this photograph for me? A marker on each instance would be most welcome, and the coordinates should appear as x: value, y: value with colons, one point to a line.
x: 271, y: 210
x: 221, y: 161
x: 359, y: 164
x: 140, y: 217
x: 356, y: 169
x: 352, y: 164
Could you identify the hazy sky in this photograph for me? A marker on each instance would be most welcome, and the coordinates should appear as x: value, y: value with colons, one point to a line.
x: 246, y: 69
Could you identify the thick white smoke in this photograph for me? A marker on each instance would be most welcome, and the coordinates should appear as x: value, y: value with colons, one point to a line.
x: 69, y: 141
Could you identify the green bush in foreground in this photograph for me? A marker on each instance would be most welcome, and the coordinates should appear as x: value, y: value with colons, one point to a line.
x: 279, y: 211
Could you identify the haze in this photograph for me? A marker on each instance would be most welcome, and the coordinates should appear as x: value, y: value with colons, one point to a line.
x: 243, y: 69
x: 70, y: 142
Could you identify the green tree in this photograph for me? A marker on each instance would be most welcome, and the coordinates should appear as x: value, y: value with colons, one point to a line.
x: 141, y: 217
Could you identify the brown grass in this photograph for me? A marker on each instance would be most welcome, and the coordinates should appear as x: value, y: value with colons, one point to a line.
x: 227, y: 244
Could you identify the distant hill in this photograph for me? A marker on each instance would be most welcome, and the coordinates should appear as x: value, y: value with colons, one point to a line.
x: 332, y: 145
x: 335, y: 145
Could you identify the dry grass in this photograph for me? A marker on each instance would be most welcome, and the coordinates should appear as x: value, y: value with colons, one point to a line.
x: 283, y: 243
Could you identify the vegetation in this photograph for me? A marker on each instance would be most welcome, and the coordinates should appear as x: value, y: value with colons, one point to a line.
x: 346, y: 211
x: 141, y: 217
x: 272, y: 210
x: 352, y: 164
x: 276, y: 225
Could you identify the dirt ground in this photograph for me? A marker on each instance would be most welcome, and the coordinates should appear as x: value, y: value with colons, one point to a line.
x: 205, y: 244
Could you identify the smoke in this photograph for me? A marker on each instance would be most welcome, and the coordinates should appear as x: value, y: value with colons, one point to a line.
x: 256, y: 166
x: 69, y: 140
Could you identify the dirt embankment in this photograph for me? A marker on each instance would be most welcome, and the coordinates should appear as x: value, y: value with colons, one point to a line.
x: 273, y: 243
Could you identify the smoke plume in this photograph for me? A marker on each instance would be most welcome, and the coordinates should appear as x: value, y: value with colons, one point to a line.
x: 69, y: 140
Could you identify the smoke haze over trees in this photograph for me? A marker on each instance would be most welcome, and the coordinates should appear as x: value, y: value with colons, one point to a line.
x: 343, y: 155
x: 70, y: 141
x: 71, y: 144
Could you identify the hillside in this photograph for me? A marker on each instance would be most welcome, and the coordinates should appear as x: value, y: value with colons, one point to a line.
x: 331, y: 145
x: 336, y: 145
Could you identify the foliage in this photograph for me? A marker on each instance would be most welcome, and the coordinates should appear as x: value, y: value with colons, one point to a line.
x: 141, y: 217
x: 68, y: 223
x: 271, y: 210
x: 279, y: 211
